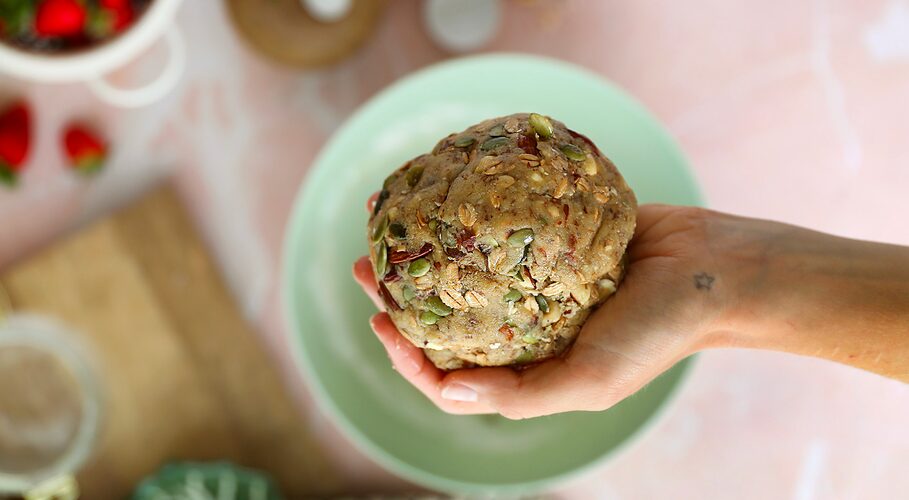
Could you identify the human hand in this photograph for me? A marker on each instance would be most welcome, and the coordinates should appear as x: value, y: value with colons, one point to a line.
x: 669, y: 305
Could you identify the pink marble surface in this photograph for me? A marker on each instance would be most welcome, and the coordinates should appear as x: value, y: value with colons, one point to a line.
x: 791, y: 111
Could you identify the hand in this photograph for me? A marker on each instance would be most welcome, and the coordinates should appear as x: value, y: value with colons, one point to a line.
x: 666, y: 308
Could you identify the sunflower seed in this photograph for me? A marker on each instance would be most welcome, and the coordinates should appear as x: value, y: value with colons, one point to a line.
x: 467, y: 214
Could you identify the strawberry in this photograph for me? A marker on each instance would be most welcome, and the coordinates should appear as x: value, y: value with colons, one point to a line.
x: 60, y: 18
x: 15, y: 133
x: 121, y: 12
x: 84, y: 149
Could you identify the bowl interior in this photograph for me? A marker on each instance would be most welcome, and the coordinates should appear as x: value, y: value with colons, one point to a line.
x: 342, y: 360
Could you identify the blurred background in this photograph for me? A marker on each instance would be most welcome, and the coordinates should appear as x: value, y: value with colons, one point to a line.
x: 797, y: 112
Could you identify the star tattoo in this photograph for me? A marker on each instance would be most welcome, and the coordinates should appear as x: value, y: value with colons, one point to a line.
x: 703, y: 281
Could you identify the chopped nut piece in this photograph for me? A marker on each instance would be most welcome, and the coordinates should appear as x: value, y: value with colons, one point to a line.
x: 590, y: 166
x: 554, y: 290
x: 530, y: 303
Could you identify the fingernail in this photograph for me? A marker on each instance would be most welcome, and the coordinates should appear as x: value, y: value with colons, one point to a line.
x: 459, y: 392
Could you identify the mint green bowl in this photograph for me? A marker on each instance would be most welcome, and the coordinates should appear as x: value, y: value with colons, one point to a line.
x: 344, y: 363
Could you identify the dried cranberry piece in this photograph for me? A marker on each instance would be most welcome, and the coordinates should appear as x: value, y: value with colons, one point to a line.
x: 529, y: 144
x: 507, y: 332
x: 390, y: 301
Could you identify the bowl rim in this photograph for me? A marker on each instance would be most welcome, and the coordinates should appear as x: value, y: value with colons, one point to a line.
x: 92, y: 61
x: 293, y: 239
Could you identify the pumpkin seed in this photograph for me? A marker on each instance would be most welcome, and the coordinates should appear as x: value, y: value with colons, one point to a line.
x: 383, y: 195
x: 511, y: 322
x: 521, y: 238
x: 413, y: 175
x: 497, y: 131
x: 429, y: 318
x: 486, y: 243
x: 438, y: 307
x: 525, y: 357
x: 494, y: 143
x: 544, y: 306
x: 381, y: 260
x: 389, y: 180
x: 529, y: 339
x: 541, y: 125
x: 409, y: 293
x: 378, y: 231
x: 573, y: 152
x: 418, y: 268
x: 464, y: 141
x: 512, y: 295
x: 397, y: 230
x: 433, y: 224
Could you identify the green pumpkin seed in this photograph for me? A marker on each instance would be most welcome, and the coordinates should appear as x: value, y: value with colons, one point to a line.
x: 525, y: 357
x: 544, y: 306
x: 447, y: 236
x: 511, y: 322
x: 497, y: 131
x: 436, y: 305
x: 573, y: 152
x: 494, y: 143
x: 429, y: 318
x: 521, y: 238
x: 464, y: 141
x: 381, y: 260
x: 541, y: 125
x: 512, y: 295
x: 409, y: 293
x: 486, y: 243
x: 378, y: 231
x: 383, y: 195
x: 529, y: 339
x: 418, y: 268
x: 433, y: 224
x: 389, y: 180
x: 397, y: 230
x: 413, y: 175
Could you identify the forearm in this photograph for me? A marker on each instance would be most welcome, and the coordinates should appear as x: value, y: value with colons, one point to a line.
x: 814, y: 294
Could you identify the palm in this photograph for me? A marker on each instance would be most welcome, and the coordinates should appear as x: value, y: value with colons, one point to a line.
x: 649, y: 324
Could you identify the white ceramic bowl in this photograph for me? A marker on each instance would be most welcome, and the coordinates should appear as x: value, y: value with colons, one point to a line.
x: 92, y: 64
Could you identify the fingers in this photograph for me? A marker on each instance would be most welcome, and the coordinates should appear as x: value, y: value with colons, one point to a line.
x: 554, y: 386
x: 410, y: 362
x: 362, y: 272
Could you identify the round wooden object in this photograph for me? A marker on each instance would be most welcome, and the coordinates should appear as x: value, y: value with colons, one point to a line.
x: 285, y: 31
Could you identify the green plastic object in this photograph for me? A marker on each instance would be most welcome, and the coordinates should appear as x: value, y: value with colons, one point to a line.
x: 204, y: 481
x: 337, y: 353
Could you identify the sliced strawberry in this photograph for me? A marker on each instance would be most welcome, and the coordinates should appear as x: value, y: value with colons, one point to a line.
x: 15, y: 136
x: 60, y: 18
x: 85, y: 151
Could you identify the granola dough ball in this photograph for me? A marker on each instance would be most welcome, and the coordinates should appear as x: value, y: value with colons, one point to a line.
x: 495, y: 247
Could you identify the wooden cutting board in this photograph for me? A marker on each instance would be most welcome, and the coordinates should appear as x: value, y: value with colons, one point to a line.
x: 185, y: 377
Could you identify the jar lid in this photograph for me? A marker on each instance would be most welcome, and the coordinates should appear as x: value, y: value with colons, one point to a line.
x: 289, y: 32
x: 51, y: 403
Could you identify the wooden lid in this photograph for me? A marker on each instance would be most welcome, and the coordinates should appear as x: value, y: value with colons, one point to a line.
x: 285, y: 31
